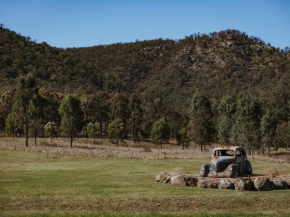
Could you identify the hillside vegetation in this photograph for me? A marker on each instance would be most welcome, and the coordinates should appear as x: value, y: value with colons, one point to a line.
x: 215, y: 63
x: 225, y: 86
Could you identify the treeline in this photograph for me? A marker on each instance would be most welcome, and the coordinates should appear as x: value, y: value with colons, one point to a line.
x: 238, y: 118
x: 30, y: 111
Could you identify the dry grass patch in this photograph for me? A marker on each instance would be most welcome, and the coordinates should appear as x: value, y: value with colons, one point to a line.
x: 103, y: 148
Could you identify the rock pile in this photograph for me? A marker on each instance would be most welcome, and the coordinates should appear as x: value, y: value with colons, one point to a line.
x: 252, y: 183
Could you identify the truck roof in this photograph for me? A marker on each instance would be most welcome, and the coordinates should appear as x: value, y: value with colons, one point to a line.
x: 234, y: 148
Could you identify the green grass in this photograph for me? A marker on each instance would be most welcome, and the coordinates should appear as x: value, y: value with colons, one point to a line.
x: 33, y: 185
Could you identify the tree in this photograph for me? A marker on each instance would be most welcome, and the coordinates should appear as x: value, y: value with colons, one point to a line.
x: 119, y: 109
x: 248, y: 121
x: 10, y: 124
x: 136, y: 114
x: 182, y: 138
x: 88, y: 107
x: 145, y: 129
x: 268, y: 130
x: 50, y: 104
x: 153, y: 102
x: 6, y: 105
x: 200, y: 120
x: 50, y: 130
x: 95, y: 108
x: 282, y: 138
x: 35, y: 117
x: 93, y: 130
x: 25, y: 90
x: 102, y: 110
x: 160, y: 132
x: 115, y: 130
x: 279, y: 101
x: 175, y: 121
x: 153, y: 107
x: 2, y: 124
x: 71, y: 116
x: 226, y: 120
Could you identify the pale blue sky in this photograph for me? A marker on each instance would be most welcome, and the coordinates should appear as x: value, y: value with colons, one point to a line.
x: 71, y: 23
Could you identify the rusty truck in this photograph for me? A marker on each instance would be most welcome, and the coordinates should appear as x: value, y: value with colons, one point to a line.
x: 227, y: 162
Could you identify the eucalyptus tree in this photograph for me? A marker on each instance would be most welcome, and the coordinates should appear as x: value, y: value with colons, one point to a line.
x: 120, y: 110
x: 25, y: 91
x: 93, y: 130
x: 200, y: 120
x: 282, y: 138
x: 50, y: 130
x: 248, y: 117
x: 35, y: 117
x: 71, y: 116
x: 226, y: 120
x: 268, y: 130
x: 136, y: 114
x: 182, y: 138
x: 115, y: 130
x: 10, y: 125
x: 160, y: 132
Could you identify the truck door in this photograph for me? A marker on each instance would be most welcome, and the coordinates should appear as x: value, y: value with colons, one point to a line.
x: 243, y: 160
x: 240, y: 160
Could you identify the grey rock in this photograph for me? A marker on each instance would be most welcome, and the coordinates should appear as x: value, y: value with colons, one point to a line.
x: 287, y: 180
x: 190, y: 180
x: 278, y: 184
x: 262, y: 184
x: 167, y: 179
x: 160, y: 177
x: 207, y: 183
x: 175, y: 173
x: 177, y: 180
x: 243, y: 184
x: 225, y: 184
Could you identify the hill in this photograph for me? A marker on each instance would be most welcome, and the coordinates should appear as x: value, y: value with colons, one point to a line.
x: 217, y: 63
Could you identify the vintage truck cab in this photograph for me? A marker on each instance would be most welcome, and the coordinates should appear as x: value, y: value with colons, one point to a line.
x: 227, y: 162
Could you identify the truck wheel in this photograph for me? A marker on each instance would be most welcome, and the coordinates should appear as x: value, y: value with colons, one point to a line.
x: 204, y: 170
x: 237, y: 173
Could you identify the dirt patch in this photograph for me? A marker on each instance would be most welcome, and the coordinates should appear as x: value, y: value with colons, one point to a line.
x: 163, y: 204
x: 282, y: 156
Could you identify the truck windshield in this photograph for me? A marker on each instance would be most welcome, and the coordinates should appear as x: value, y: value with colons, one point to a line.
x: 224, y: 153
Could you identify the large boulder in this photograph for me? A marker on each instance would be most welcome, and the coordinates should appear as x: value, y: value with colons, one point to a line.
x: 278, y: 184
x: 207, y: 183
x: 167, y: 179
x: 262, y: 184
x: 243, y: 184
x: 225, y: 184
x: 177, y: 180
x: 190, y: 180
x: 175, y: 173
x: 160, y: 177
x: 287, y: 180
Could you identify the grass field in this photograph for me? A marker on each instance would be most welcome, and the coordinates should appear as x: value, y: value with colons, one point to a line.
x: 33, y: 185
